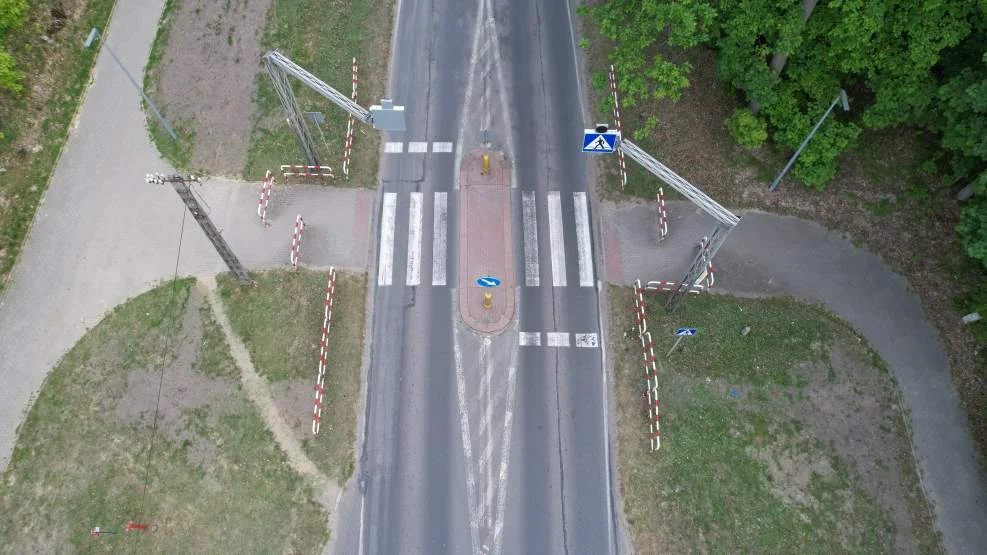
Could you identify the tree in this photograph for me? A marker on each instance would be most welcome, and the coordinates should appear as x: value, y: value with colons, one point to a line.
x: 635, y: 27
x: 12, y: 15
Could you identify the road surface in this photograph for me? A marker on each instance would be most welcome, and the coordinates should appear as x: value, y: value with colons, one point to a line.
x: 484, y: 443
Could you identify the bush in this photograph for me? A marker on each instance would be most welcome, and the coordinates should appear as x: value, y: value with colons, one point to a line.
x: 10, y: 76
x: 12, y: 14
x: 746, y: 128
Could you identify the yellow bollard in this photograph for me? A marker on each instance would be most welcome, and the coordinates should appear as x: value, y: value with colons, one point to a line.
x: 488, y: 300
x: 486, y: 165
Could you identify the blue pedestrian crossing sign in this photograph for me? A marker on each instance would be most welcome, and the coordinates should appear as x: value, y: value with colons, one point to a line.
x: 686, y: 331
x: 488, y: 281
x: 596, y: 142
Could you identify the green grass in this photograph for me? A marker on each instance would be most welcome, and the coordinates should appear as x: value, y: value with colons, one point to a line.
x: 280, y: 321
x: 77, y: 465
x: 68, y: 69
x: 323, y: 36
x: 778, y: 336
x: 739, y: 471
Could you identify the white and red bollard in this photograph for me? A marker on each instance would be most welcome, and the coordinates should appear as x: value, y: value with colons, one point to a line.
x: 662, y: 216
x: 320, y: 379
x: 301, y: 170
x: 296, y: 241
x: 616, y: 117
x: 265, y: 197
x: 350, y: 125
x: 650, y: 367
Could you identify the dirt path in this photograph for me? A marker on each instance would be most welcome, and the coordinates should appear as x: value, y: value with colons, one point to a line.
x: 260, y: 393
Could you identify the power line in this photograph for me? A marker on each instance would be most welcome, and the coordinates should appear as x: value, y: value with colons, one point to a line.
x: 164, y: 352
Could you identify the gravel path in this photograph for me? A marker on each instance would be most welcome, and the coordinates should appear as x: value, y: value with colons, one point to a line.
x: 772, y: 255
x: 102, y: 235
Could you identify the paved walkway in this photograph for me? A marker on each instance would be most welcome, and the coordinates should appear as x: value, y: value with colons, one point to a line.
x: 769, y: 255
x: 102, y: 235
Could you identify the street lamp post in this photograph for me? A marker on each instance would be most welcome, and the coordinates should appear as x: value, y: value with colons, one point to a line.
x: 841, y: 98
x: 93, y: 35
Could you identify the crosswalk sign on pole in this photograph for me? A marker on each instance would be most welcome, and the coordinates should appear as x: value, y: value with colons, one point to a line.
x: 596, y: 142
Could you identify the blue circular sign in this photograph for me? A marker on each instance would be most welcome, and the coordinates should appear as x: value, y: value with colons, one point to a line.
x: 488, y: 281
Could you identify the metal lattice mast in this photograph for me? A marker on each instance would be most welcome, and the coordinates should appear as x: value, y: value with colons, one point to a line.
x: 290, y: 104
x: 275, y: 58
x: 726, y: 220
x: 185, y: 193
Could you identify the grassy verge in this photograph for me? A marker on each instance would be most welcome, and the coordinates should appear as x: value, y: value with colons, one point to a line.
x: 56, y: 73
x: 178, y: 152
x: 787, y: 439
x: 217, y: 480
x: 323, y: 36
x: 280, y: 321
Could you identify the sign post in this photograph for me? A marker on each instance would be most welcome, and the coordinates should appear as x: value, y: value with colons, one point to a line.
x: 681, y: 332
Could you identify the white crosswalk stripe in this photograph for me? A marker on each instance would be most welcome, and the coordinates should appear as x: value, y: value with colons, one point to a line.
x: 530, y: 232
x: 557, y: 339
x: 415, y: 240
x: 556, y: 242
x: 529, y: 339
x: 584, y: 249
x: 393, y: 148
x: 442, y: 147
x: 417, y: 146
x: 385, y: 266
x: 440, y: 225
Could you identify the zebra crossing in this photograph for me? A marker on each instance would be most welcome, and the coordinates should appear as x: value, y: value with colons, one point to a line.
x: 566, y: 228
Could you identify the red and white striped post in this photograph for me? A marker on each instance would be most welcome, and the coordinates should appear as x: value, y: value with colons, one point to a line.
x: 616, y: 117
x: 320, y: 379
x: 298, y: 170
x: 265, y: 197
x: 350, y: 123
x: 662, y: 216
x: 296, y: 241
x: 709, y: 263
x: 650, y: 367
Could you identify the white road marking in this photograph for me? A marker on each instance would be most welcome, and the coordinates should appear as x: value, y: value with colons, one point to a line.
x: 385, y: 266
x: 555, y: 238
x: 530, y: 225
x: 529, y: 339
x: 583, y: 248
x: 586, y: 340
x: 557, y: 338
x: 440, y: 224
x: 442, y: 147
x: 393, y: 148
x: 464, y: 427
x: 418, y: 146
x: 604, y: 393
x: 470, y: 75
x: 505, y: 452
x: 415, y: 240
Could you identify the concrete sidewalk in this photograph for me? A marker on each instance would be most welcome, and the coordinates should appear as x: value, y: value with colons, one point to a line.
x: 772, y: 255
x: 103, y: 235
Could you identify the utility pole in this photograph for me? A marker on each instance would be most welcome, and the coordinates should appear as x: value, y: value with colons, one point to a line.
x: 840, y: 99
x: 185, y: 193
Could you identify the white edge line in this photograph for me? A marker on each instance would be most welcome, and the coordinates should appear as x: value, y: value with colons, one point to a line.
x: 464, y: 425
x: 606, y: 412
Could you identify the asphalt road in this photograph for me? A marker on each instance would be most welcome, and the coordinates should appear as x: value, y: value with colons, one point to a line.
x: 472, y: 443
